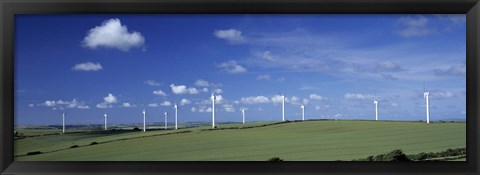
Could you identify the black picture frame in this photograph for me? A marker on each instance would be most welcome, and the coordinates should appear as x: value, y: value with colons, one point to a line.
x: 9, y: 8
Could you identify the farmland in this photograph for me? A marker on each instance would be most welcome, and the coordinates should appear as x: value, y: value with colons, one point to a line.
x: 325, y: 140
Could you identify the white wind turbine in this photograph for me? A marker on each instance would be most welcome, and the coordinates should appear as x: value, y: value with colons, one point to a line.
x: 425, y: 96
x: 176, y: 115
x: 243, y: 115
x: 303, y: 112
x: 213, y: 98
x: 144, y: 128
x: 105, y: 115
x: 63, y: 122
x: 283, y: 107
x: 375, y: 101
x: 165, y: 120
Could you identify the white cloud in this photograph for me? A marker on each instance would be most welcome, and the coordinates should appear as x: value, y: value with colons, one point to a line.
x: 49, y: 103
x: 278, y: 99
x: 232, y: 67
x: 218, y: 91
x: 110, y: 99
x: 254, y: 100
x: 31, y: 105
x: 263, y: 77
x: 107, y: 101
x: 182, y: 89
x: 231, y: 35
x: 294, y: 100
x: 87, y: 66
x: 228, y: 108
x: 83, y: 107
x: 127, y: 105
x: 442, y: 94
x: 305, y: 101
x: 205, y: 89
x: 111, y: 34
x: 202, y: 83
x: 353, y: 96
x: 153, y: 105
x: 267, y: 55
x: 166, y: 103
x: 415, y: 26
x: 317, y: 97
x: 208, y: 109
x: 185, y: 101
x: 159, y: 92
x: 152, y: 83
x: 193, y: 109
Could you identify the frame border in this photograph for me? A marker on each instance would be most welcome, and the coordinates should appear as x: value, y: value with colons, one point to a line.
x: 8, y: 9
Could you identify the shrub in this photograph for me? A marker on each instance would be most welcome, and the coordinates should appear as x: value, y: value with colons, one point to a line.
x: 136, y: 129
x: 93, y: 143
x: 74, y: 146
x: 396, y: 155
x: 34, y: 153
x: 275, y: 159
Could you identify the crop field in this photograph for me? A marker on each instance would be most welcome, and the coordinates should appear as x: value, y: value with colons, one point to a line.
x: 291, y: 141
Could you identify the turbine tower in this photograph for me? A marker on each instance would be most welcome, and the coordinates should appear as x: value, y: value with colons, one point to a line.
x: 176, y: 116
x: 63, y: 122
x: 303, y: 112
x: 144, y: 129
x: 243, y: 114
x: 283, y: 107
x: 213, y: 110
x: 165, y: 120
x: 425, y: 96
x: 105, y: 115
x: 375, y: 101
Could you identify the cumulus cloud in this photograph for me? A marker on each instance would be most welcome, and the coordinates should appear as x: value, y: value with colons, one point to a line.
x: 159, y: 92
x: 317, y: 97
x: 107, y: 101
x: 231, y: 35
x: 127, y: 105
x: 112, y: 34
x: 232, y: 67
x: 254, y: 100
x: 193, y: 109
x: 277, y: 99
x: 415, y: 26
x: 87, y: 66
x: 228, y: 108
x: 263, y: 77
x: 64, y: 104
x: 202, y: 83
x: 185, y: 101
x: 152, y: 83
x: 166, y: 103
x: 353, y: 96
x: 218, y: 91
x: 267, y: 55
x: 452, y: 71
x: 442, y: 94
x: 182, y: 89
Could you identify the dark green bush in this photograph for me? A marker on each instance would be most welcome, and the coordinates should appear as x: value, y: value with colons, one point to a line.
x: 74, y: 146
x: 275, y: 159
x: 34, y: 153
x: 93, y: 143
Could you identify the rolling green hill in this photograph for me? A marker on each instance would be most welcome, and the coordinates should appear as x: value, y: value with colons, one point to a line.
x: 308, y: 140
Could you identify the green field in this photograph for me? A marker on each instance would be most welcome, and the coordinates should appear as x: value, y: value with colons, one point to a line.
x: 308, y: 140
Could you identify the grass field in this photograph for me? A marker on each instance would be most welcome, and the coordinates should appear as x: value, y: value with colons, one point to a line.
x: 309, y: 140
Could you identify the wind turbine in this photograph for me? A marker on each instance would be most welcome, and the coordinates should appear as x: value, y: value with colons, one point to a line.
x: 213, y: 98
x: 176, y: 115
x: 105, y: 115
x: 283, y: 107
x: 165, y: 120
x: 63, y: 122
x: 243, y: 114
x: 375, y: 101
x: 425, y: 96
x: 144, y: 129
x: 303, y: 112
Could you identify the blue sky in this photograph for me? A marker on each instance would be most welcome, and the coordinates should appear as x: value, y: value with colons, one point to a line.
x: 88, y: 65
